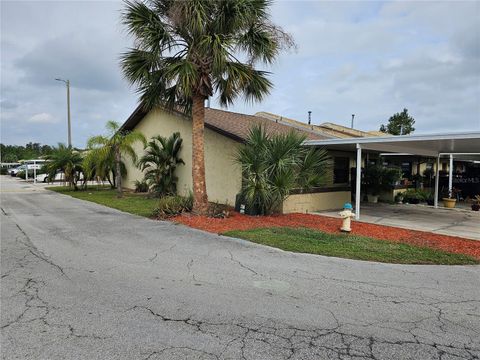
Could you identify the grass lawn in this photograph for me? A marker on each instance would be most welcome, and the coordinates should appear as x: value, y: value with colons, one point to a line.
x: 349, y: 246
x: 132, y: 203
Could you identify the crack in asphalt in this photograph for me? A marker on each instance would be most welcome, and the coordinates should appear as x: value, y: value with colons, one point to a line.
x: 37, y: 253
x: 241, y: 264
x: 47, y: 315
x: 35, y: 308
x: 289, y: 342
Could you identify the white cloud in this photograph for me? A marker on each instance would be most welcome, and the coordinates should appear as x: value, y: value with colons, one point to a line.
x: 43, y: 118
x: 368, y: 58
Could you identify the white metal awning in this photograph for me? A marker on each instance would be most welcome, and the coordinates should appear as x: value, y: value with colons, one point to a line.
x: 466, y: 145
x: 425, y: 145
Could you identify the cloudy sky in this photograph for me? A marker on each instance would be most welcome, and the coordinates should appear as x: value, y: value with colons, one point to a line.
x: 363, y: 57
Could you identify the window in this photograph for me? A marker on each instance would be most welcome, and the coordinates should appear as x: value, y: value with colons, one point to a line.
x: 340, y: 170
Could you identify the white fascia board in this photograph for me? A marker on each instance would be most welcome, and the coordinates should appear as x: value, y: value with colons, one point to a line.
x: 399, y: 149
x: 396, y: 139
x: 397, y: 143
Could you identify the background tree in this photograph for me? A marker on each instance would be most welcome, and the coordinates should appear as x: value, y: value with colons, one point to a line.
x: 14, y: 153
x: 397, y: 122
x: 185, y: 51
x: 112, y: 148
x: 274, y: 165
x: 160, y: 161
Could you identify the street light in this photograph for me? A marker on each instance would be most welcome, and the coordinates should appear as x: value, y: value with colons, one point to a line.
x: 67, y: 82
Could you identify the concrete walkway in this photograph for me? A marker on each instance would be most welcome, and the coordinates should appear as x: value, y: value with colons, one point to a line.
x: 453, y: 222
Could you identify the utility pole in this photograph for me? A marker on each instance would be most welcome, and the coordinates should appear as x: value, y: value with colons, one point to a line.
x: 67, y: 83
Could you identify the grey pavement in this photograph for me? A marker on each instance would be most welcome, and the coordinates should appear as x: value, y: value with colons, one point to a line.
x: 82, y: 281
x: 454, y: 222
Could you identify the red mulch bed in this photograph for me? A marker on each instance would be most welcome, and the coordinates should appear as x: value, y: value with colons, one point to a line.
x: 332, y: 225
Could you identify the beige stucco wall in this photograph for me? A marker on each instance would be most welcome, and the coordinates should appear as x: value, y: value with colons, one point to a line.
x: 315, y: 202
x: 223, y: 176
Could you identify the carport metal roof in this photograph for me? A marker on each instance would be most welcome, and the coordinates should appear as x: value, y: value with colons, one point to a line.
x: 466, y: 145
x: 425, y: 145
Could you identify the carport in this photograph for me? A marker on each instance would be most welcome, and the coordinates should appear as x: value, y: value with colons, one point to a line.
x: 453, y: 145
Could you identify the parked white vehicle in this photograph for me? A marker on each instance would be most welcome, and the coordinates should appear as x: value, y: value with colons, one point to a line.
x: 15, y: 170
x: 44, y: 177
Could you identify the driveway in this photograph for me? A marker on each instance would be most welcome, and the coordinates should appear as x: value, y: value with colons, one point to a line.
x: 82, y: 281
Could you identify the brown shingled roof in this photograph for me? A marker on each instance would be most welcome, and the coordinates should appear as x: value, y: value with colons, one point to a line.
x: 239, y: 124
x: 230, y: 124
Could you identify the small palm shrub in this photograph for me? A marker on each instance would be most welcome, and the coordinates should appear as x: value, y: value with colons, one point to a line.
x: 67, y: 160
x: 172, y: 205
x: 160, y: 161
x: 141, y: 186
x: 274, y: 165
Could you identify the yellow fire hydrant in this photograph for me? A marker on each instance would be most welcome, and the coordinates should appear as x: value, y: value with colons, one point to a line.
x: 346, y: 216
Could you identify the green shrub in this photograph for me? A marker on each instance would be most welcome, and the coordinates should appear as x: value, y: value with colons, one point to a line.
x: 141, y: 186
x: 173, y: 205
x: 414, y: 195
x: 379, y: 178
x: 3, y: 171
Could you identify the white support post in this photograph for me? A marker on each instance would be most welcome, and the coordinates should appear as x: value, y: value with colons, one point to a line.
x: 34, y: 171
x: 358, y: 182
x: 26, y: 171
x: 437, y: 175
x: 450, y: 176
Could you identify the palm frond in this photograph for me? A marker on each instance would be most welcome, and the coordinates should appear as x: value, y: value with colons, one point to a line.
x: 187, y: 48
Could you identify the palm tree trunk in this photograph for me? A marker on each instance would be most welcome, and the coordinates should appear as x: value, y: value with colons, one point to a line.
x: 200, y: 199
x: 118, y: 180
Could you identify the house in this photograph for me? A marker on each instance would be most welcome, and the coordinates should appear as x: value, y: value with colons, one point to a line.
x: 225, y: 132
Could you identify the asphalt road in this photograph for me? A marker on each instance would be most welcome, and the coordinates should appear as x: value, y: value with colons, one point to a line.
x: 82, y: 281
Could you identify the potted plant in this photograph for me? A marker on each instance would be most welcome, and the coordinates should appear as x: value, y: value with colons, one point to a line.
x: 373, y: 182
x: 476, y: 203
x: 449, y: 199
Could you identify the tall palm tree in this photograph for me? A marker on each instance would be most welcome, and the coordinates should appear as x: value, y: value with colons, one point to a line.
x: 160, y: 161
x: 113, y: 147
x: 185, y: 51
